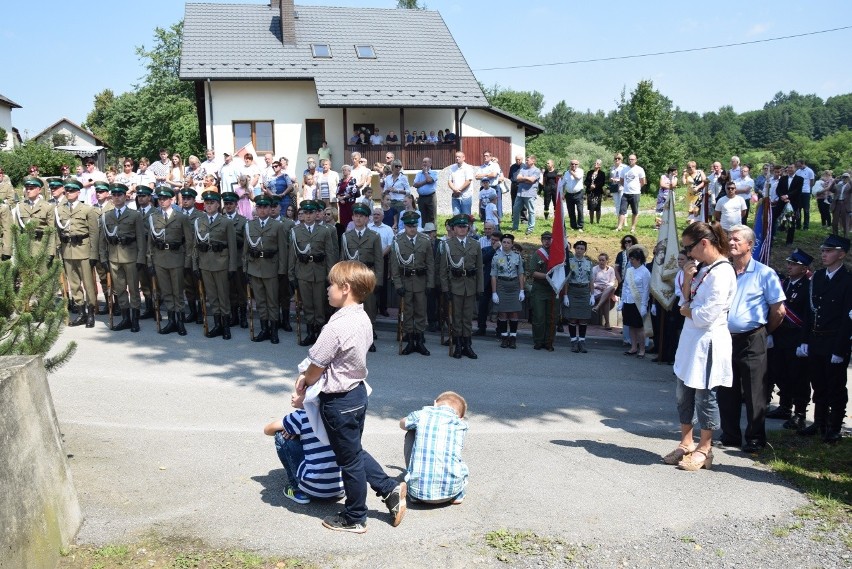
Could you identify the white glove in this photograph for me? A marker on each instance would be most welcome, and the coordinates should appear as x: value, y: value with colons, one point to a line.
x: 521, y: 295
x: 835, y: 359
x: 653, y: 310
x: 802, y: 351
x: 495, y: 298
x: 592, y: 300
x: 566, y: 302
x: 770, y: 342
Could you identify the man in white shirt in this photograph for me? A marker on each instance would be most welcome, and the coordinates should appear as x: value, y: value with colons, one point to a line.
x: 377, y: 138
x: 745, y: 188
x: 229, y: 175
x: 252, y: 171
x: 807, y: 175
x: 731, y: 209
x: 633, y: 179
x: 91, y: 174
x: 571, y: 186
x: 268, y: 173
x: 211, y: 165
x: 360, y: 172
x: 616, y: 173
x: 461, y: 178
x: 735, y: 173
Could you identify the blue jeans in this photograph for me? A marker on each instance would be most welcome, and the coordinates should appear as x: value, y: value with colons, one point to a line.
x: 461, y: 205
x: 521, y: 203
x: 343, y: 415
x: 697, y: 402
x: 291, y: 454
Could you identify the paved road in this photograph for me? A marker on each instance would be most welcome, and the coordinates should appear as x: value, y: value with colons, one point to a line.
x: 165, y: 436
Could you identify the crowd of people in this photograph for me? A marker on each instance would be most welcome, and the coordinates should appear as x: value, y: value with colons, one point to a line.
x: 366, y: 137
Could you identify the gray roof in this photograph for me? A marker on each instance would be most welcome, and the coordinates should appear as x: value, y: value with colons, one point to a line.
x: 9, y: 103
x: 243, y: 42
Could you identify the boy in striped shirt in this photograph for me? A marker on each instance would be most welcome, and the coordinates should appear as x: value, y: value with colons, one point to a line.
x: 433, y: 446
x: 312, y: 469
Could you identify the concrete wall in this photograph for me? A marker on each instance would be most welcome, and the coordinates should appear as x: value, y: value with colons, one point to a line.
x: 39, y: 510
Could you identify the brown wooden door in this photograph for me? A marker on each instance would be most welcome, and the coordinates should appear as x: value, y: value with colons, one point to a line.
x: 499, y: 146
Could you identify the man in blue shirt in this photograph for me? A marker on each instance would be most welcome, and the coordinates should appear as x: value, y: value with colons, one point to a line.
x: 528, y: 178
x: 425, y: 181
x: 757, y: 310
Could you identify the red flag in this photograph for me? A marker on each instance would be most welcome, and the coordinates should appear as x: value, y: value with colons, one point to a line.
x: 556, y: 255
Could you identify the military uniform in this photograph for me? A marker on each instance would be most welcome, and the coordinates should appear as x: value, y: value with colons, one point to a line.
x: 40, y: 214
x: 123, y: 247
x: 541, y: 301
x: 144, y: 277
x: 265, y: 259
x: 99, y: 209
x: 367, y: 248
x: 827, y: 338
x: 170, y: 241
x: 284, y: 292
x: 77, y: 228
x: 7, y: 190
x: 311, y: 257
x: 237, y: 283
x: 190, y: 286
x: 7, y: 236
x: 412, y: 267
x: 215, y: 255
x: 462, y: 281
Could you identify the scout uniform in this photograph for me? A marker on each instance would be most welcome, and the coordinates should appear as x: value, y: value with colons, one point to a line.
x: 366, y: 246
x: 461, y: 281
x: 284, y: 292
x: 190, y: 280
x: 77, y: 229
x: 826, y: 343
x: 311, y: 257
x: 264, y: 260
x: 412, y: 267
x: 169, y: 251
x: 215, y: 256
x: 144, y: 277
x: 40, y: 214
x: 541, y: 300
x: 122, y: 250
x: 237, y: 283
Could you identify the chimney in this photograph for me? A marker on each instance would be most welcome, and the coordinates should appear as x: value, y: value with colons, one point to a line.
x: 288, y: 21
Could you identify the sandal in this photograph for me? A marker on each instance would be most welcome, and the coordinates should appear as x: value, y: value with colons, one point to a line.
x: 629, y: 353
x: 678, y: 454
x: 697, y: 460
x: 640, y: 356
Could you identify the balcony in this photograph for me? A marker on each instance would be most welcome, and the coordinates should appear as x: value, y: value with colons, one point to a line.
x: 412, y: 155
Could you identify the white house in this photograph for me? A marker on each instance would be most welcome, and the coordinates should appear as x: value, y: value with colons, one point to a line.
x: 287, y: 77
x: 70, y: 137
x: 6, y: 106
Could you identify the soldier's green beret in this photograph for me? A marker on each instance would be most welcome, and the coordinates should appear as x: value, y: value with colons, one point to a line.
x: 274, y: 201
x: 33, y: 182
x: 73, y: 186
x: 262, y: 200
x: 55, y: 183
x: 310, y: 205
x: 101, y: 187
x: 410, y: 218
x: 230, y: 197
x: 144, y: 191
x: 165, y: 193
x: 211, y: 196
x: 460, y: 220
x: 361, y: 209
x: 188, y: 193
x: 118, y: 189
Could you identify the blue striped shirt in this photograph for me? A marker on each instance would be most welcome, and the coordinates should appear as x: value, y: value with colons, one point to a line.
x: 319, y: 474
x: 436, y: 470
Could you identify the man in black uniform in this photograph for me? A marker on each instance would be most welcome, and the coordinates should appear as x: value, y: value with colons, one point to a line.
x: 826, y: 343
x: 785, y: 369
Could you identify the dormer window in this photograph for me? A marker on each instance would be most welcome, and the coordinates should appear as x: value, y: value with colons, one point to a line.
x: 321, y: 50
x: 365, y: 52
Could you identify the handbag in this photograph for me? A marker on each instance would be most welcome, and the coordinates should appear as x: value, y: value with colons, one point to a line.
x: 646, y: 320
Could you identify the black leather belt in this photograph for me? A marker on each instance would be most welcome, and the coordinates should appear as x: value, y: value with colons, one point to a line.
x: 255, y: 254
x: 413, y: 272
x: 121, y: 240
x: 578, y: 285
x: 319, y: 258
x: 73, y: 239
x: 463, y: 272
x: 740, y: 335
x: 507, y: 278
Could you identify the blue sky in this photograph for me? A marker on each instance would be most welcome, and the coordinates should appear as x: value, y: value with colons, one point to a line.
x: 87, y: 47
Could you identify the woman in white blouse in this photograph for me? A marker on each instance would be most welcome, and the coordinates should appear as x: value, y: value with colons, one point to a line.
x: 703, y: 358
x: 635, y: 294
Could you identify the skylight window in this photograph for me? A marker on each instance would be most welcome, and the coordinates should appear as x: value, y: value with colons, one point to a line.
x: 365, y: 52
x: 321, y: 50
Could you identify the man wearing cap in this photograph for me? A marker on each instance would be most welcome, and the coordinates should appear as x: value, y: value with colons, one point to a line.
x: 215, y: 259
x: 425, y: 182
x: 542, y: 297
x: 826, y: 339
x: 77, y: 227
x: 237, y: 283
x: 312, y: 255
x: 57, y: 191
x: 284, y: 292
x: 122, y: 250
x: 785, y: 369
x: 361, y: 244
x: 145, y: 209
x: 412, y: 266
x: 169, y: 251
x: 265, y: 259
x: 35, y: 209
x: 190, y: 280
x: 101, y: 204
x: 462, y: 282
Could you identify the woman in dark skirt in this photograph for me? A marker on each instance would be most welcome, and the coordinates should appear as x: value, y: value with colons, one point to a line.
x: 635, y: 294
x: 507, y: 280
x: 579, y: 296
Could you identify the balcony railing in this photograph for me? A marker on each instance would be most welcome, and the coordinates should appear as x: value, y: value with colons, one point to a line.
x: 412, y: 155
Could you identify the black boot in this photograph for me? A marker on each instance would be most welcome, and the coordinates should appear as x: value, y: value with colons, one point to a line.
x: 273, y: 331
x: 457, y: 347
x: 409, y: 346
x: 171, y: 326
x: 818, y: 427
x: 235, y: 319
x: 90, y: 316
x: 242, y: 316
x: 81, y: 317
x: 148, y: 313
x: 420, y: 346
x: 309, y: 339
x: 217, y: 327
x: 199, y: 312
x: 125, y: 321
x: 467, y: 348
x: 226, y: 327
x: 179, y: 320
x: 780, y: 412
x: 795, y: 423
x: 134, y: 319
x: 834, y: 424
x: 264, y: 333
x: 193, y: 313
x: 285, y: 320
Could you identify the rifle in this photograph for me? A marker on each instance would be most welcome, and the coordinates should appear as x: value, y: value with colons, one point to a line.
x: 110, y: 299
x: 298, y: 316
x: 250, y: 308
x: 65, y: 296
x: 156, y: 294
x: 399, y: 322
x: 203, y: 298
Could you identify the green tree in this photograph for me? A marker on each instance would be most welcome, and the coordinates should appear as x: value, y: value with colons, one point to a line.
x: 410, y: 5
x: 96, y: 120
x: 525, y: 104
x: 16, y: 162
x: 162, y: 63
x: 644, y: 125
x: 561, y: 148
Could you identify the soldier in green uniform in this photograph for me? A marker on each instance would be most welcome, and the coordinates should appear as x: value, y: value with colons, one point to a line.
x: 169, y: 251
x: 144, y: 207
x: 412, y: 266
x: 214, y: 259
x: 57, y: 191
x: 284, y: 292
x: 77, y: 227
x: 35, y: 209
x: 312, y: 255
x: 6, y: 235
x: 362, y: 244
x: 190, y: 279
x: 264, y: 260
x: 102, y: 204
x: 462, y: 282
x: 7, y: 190
x: 123, y: 250
x: 542, y: 297
x: 237, y: 284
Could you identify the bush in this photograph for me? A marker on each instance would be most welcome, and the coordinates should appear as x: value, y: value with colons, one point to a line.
x: 16, y: 163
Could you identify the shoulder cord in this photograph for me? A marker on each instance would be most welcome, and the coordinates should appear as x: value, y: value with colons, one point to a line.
x: 106, y: 229
x: 156, y: 234
x: 304, y: 251
x: 454, y: 264
x: 205, y: 238
x: 58, y: 222
x: 253, y: 242
x: 399, y: 258
x: 345, y: 249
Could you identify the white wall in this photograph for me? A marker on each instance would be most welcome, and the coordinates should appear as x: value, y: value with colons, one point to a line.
x: 6, y: 123
x: 482, y: 123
